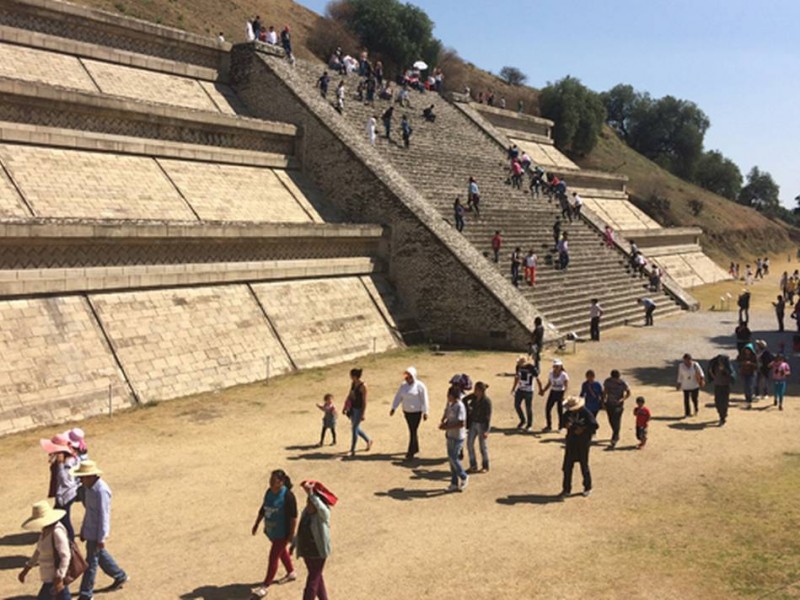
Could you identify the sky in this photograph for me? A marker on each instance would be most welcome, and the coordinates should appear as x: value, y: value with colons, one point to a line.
x: 738, y: 60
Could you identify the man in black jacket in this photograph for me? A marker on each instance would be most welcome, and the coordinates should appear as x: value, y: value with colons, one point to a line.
x: 480, y: 420
x: 580, y: 425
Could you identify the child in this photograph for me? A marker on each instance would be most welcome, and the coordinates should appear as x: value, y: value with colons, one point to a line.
x: 592, y: 393
x: 328, y: 419
x: 780, y: 371
x: 642, y: 419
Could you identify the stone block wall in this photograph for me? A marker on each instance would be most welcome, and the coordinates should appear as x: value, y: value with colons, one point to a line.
x: 442, y: 278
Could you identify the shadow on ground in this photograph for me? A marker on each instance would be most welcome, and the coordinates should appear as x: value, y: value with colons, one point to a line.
x: 221, y: 592
x: 530, y: 499
x: 19, y: 539
x: 12, y: 562
x: 407, y: 494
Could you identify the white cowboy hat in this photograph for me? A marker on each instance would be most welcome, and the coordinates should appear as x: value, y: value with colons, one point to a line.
x: 573, y: 403
x: 86, y: 469
x: 42, y: 515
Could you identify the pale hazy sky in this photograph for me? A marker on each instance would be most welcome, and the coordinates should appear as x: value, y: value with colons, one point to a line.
x: 738, y: 60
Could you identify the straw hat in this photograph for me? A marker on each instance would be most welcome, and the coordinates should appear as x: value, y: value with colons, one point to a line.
x: 573, y: 403
x: 86, y: 469
x: 558, y: 363
x: 58, y: 443
x: 42, y: 515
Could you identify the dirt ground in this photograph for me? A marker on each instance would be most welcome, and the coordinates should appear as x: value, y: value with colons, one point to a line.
x: 681, y: 519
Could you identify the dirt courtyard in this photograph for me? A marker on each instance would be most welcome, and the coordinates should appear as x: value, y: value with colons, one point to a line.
x: 682, y: 519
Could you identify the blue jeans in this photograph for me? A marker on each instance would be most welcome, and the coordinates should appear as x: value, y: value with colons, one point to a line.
x: 355, y: 421
x: 46, y: 593
x: 779, y: 388
x: 476, y: 431
x: 457, y: 472
x: 749, y: 383
x: 94, y: 557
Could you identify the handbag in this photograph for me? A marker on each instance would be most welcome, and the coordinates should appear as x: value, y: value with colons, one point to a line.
x: 77, y: 563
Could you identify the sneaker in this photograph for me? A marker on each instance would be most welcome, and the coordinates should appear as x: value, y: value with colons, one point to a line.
x: 369, y: 445
x: 563, y: 496
x: 521, y: 424
x: 546, y: 429
x: 780, y: 407
x: 463, y: 484
x: 290, y: 577
x: 118, y: 583
x: 587, y: 493
x: 260, y: 591
x: 453, y: 487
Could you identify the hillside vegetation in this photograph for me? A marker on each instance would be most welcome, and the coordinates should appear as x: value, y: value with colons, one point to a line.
x: 732, y: 231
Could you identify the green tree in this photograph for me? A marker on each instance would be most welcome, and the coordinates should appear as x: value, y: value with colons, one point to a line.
x: 761, y: 192
x: 718, y: 174
x: 578, y: 114
x: 513, y: 76
x: 400, y: 33
x: 621, y: 103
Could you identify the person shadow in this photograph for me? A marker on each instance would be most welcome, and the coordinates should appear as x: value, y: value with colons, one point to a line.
x: 404, y: 494
x: 223, y: 592
x: 693, y: 426
x: 512, y: 499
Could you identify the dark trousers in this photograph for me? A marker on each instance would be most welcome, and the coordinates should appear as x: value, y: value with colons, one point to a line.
x: 648, y: 315
x: 615, y: 419
x: 594, y: 329
x: 780, y: 320
x: 519, y: 396
x: 332, y: 429
x: 722, y: 398
x: 515, y: 273
x: 496, y: 254
x: 460, y: 223
x: 577, y: 451
x: 412, y: 419
x: 687, y: 395
x: 555, y: 398
x: 315, y: 584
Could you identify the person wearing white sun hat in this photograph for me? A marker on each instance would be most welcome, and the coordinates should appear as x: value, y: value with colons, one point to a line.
x: 580, y: 425
x: 96, y: 528
x: 52, y: 553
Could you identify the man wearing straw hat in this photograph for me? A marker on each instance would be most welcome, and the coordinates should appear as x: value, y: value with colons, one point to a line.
x: 95, y: 529
x: 52, y: 552
x: 580, y: 425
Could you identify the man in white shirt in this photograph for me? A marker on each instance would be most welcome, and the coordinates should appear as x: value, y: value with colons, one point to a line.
x: 272, y: 36
x: 690, y: 379
x: 595, y: 312
x: 413, y: 395
x: 577, y: 204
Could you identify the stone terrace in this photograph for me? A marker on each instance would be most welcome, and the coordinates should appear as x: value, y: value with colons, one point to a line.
x: 445, y: 154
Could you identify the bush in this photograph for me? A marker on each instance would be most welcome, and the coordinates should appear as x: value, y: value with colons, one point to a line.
x: 696, y: 206
x: 328, y: 35
x: 578, y: 113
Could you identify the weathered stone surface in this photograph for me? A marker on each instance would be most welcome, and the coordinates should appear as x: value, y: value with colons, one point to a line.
x: 322, y: 322
x: 178, y: 342
x: 55, y: 364
x: 11, y: 204
x: 31, y: 64
x: 620, y: 214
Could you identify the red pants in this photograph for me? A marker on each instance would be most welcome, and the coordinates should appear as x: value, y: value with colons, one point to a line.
x: 530, y: 275
x: 277, y: 552
x: 315, y: 584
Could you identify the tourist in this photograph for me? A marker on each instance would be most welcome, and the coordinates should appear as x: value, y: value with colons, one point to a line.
x: 406, y: 130
x: 780, y: 309
x: 63, y: 486
x: 279, y: 513
x: 563, y: 252
x: 642, y: 414
x: 722, y: 374
x: 690, y: 379
x: 272, y: 36
x: 403, y: 97
x: 743, y: 335
x: 530, y: 268
x: 595, y: 312
x: 323, y: 82
x: 479, y: 421
x: 536, y: 182
x: 516, y: 174
x: 524, y: 376
x: 328, y: 419
x: 577, y: 205
x: 796, y: 314
x: 221, y: 37
x: 592, y: 393
x: 372, y: 129
x: 340, y: 93
x: 516, y: 263
x: 249, y: 34
x: 525, y: 160
x: 52, y: 554
x: 748, y: 367
x: 766, y: 265
x: 566, y: 209
x: 537, y: 341
x: 286, y: 43
x: 256, y: 27
x: 377, y: 72
x: 497, y: 243
x: 429, y: 115
x: 96, y: 528
x: 458, y: 214
x: 780, y: 372
x: 556, y: 232
x: 357, y: 408
x: 609, y: 236
x: 615, y: 392
x: 765, y: 358
x: 557, y: 384
x: 743, y: 303
x: 453, y: 424
x: 413, y: 396
x: 473, y: 196
x: 759, y: 269
x: 748, y: 276
x: 77, y: 440
x: 580, y: 425
x: 387, y: 122
x: 313, y: 541
x: 649, y: 309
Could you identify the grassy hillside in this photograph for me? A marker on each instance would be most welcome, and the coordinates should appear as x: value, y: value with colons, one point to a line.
x: 732, y: 231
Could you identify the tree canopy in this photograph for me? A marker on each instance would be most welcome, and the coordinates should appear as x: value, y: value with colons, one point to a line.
x: 400, y: 33
x: 513, y: 76
x: 761, y: 192
x: 718, y: 174
x: 578, y: 114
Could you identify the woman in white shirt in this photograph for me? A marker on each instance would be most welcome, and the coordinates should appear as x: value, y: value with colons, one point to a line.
x: 413, y: 395
x: 557, y: 383
x: 52, y: 553
x: 690, y: 379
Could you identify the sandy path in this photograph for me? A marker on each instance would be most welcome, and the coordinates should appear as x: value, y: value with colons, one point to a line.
x: 188, y: 476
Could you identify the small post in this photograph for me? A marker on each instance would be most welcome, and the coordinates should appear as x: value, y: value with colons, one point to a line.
x: 110, y: 396
x: 269, y: 360
x: 374, y: 345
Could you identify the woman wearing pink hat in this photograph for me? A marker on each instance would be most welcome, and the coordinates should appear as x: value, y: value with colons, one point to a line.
x: 63, y: 486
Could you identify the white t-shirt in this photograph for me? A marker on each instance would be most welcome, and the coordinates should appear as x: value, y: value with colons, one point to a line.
x: 530, y: 261
x: 558, y: 383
